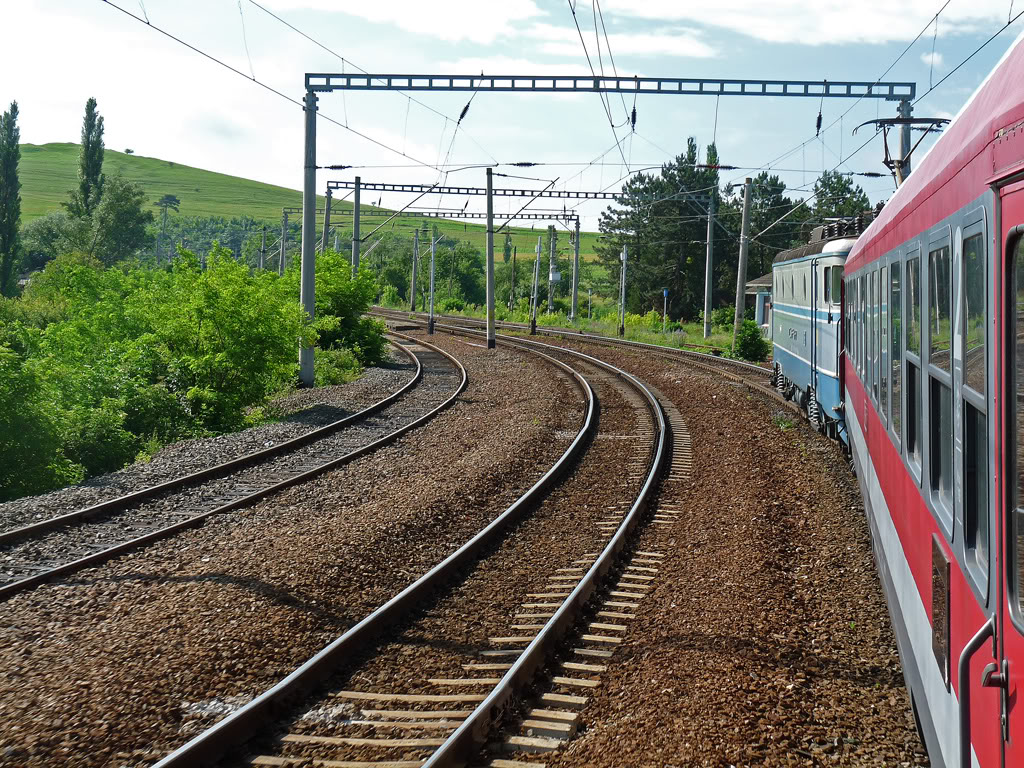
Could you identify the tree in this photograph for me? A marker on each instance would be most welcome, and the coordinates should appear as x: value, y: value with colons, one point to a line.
x: 10, y: 197
x: 165, y: 202
x: 836, y: 195
x: 86, y: 198
x: 119, y: 223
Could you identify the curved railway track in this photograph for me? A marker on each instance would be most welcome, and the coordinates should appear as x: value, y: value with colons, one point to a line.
x: 537, y: 565
x: 61, y: 545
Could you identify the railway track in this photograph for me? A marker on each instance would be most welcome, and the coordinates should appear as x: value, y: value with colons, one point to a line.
x: 440, y: 670
x: 61, y: 545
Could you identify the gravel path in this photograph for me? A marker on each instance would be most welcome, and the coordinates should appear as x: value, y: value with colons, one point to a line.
x: 131, y: 659
x: 766, y: 639
x: 301, y: 411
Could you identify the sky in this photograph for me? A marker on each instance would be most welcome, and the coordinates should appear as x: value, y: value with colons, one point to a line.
x: 161, y: 99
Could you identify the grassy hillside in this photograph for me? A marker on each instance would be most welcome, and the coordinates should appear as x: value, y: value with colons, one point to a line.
x: 49, y: 171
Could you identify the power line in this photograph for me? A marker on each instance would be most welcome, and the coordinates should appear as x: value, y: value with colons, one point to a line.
x: 261, y: 84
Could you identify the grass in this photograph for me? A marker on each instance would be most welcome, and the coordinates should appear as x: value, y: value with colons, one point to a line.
x: 48, y: 171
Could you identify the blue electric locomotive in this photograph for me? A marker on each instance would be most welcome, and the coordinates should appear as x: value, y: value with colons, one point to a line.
x: 806, y: 324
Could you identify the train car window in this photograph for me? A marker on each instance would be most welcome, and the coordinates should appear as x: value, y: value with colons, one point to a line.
x: 941, y: 437
x: 828, y: 285
x: 976, y: 525
x: 883, y: 344
x: 873, y: 333
x: 914, y: 305
x: 896, y: 303
x: 862, y: 298
x: 1016, y: 348
x: 974, y: 296
x: 803, y: 291
x: 837, y: 282
x: 940, y: 328
x: 914, y: 413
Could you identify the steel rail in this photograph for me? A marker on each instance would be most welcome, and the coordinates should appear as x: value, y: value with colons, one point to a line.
x: 462, y: 745
x: 130, y: 499
x: 96, y: 558
x: 240, y: 726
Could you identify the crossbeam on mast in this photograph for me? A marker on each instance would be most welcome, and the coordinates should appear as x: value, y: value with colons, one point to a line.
x: 457, y: 191
x: 849, y: 89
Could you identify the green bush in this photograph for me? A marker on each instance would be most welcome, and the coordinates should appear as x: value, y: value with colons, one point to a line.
x: 451, y: 305
x: 335, y: 366
x: 750, y: 344
x: 95, y: 439
x: 389, y: 297
x: 723, y: 316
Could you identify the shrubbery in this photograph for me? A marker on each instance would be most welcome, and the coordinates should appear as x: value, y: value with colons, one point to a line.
x: 98, y: 365
x: 751, y: 344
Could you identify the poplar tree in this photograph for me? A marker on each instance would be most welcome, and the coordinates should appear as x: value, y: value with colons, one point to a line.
x: 90, y: 165
x: 10, y: 198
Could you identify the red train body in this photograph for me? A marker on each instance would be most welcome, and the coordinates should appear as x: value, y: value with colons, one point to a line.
x: 933, y: 373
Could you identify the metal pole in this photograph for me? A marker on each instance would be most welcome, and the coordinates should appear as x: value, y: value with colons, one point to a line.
x: 337, y: 244
x: 664, y: 308
x: 263, y: 247
x: 415, y: 261
x: 355, y: 230
x: 575, y: 272
x: 430, y: 314
x: 622, y: 292
x: 284, y: 243
x: 533, y: 294
x: 590, y: 303
x: 709, y: 267
x: 327, y: 221
x: 904, y: 109
x: 512, y: 292
x: 307, y: 281
x: 551, y: 269
x: 490, y: 260
x: 741, y: 269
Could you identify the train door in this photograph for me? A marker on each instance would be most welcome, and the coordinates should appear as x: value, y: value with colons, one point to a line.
x: 1009, y: 674
x: 812, y: 393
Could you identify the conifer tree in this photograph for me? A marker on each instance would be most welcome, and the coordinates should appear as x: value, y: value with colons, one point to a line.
x: 86, y: 198
x: 10, y: 197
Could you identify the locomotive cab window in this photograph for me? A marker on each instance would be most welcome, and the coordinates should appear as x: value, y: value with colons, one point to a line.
x: 828, y: 285
x: 837, y: 284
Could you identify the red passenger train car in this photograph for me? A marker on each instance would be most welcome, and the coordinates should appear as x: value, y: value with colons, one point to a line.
x: 934, y: 404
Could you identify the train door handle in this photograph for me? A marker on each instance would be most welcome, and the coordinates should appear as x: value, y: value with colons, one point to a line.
x: 997, y: 676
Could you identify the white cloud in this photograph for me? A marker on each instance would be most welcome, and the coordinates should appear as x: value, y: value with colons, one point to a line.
x: 821, y: 22
x: 564, y: 41
x: 932, y: 59
x: 480, y: 21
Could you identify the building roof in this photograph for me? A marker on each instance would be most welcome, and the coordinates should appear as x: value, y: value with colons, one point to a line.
x: 759, y: 284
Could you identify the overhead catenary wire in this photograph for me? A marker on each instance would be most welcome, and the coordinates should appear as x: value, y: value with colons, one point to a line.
x: 262, y: 84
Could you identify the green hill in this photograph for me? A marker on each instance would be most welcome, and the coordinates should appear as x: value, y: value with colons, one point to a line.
x: 49, y: 171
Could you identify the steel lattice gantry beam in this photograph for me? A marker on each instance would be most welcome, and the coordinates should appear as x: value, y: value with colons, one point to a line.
x: 315, y: 83
x: 849, y: 89
x: 458, y: 191
x: 452, y: 215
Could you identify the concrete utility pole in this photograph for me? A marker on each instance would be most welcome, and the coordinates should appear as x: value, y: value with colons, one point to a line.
x: 490, y: 260
x: 430, y: 314
x: 709, y: 267
x: 622, y: 292
x: 284, y: 243
x: 904, y: 109
x: 307, y: 283
x: 355, y: 230
x: 552, y: 263
x: 741, y: 270
x: 533, y: 294
x: 415, y: 261
x: 575, y: 272
x: 327, y: 221
x: 263, y: 247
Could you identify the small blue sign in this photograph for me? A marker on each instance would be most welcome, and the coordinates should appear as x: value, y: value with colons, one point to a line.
x: 665, y: 292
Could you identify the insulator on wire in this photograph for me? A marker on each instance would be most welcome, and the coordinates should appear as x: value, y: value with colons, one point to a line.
x: 632, y: 119
x: 817, y: 128
x: 465, y: 109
